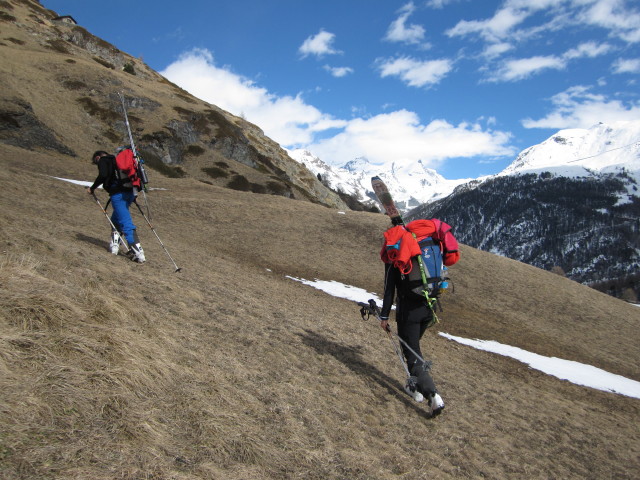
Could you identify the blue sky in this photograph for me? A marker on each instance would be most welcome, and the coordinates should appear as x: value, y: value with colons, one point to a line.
x: 463, y: 85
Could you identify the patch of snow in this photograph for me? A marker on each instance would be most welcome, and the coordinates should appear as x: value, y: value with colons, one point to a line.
x: 574, y: 372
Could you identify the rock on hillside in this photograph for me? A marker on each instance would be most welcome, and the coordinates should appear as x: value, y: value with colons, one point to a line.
x: 60, y: 93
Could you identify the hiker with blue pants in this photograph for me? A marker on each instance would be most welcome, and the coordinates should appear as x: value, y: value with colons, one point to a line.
x: 122, y: 192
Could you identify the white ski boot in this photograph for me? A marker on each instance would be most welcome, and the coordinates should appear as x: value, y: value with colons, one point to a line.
x: 136, y: 253
x: 436, y: 405
x: 114, y: 245
x: 411, y: 389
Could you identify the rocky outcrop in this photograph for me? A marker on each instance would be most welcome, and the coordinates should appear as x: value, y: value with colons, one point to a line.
x: 19, y: 126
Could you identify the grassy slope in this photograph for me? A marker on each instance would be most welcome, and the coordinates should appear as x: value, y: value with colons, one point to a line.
x: 229, y: 370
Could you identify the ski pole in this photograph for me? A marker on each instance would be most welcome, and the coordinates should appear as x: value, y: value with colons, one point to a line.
x: 372, y: 309
x: 398, y: 352
x: 154, y: 231
x: 139, y: 161
x: 104, y: 210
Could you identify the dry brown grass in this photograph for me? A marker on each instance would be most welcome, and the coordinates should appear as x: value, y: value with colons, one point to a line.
x: 229, y: 370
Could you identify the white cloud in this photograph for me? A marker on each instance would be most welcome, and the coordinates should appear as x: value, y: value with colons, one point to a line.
x: 288, y: 120
x: 587, y: 50
x: 576, y: 107
x: 400, y: 136
x: 415, y: 73
x: 627, y: 65
x: 492, y: 30
x: 517, y: 21
x: 319, y: 44
x: 519, y: 69
x: 338, y: 72
x: 295, y: 124
x: 399, y: 31
x: 439, y: 3
x: 496, y: 49
x: 614, y: 16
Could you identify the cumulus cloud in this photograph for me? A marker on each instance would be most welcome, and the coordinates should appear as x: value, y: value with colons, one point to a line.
x: 613, y: 15
x: 627, y: 65
x: 397, y: 135
x: 338, y: 72
x: 288, y: 119
x: 587, y: 50
x: 437, y: 4
x: 519, y: 69
x: 400, y: 136
x: 496, y: 49
x: 399, y: 31
x: 517, y: 21
x: 319, y: 44
x: 494, y: 29
x: 577, y: 107
x: 415, y: 73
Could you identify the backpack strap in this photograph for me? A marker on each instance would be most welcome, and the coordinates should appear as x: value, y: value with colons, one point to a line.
x: 431, y: 301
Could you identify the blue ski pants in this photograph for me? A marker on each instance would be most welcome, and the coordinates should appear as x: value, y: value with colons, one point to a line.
x: 121, y: 217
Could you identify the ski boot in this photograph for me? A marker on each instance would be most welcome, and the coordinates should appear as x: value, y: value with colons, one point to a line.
x: 411, y: 388
x: 114, y: 244
x: 436, y: 405
x: 136, y: 253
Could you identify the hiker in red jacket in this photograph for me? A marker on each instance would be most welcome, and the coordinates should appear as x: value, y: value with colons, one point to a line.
x: 413, y: 313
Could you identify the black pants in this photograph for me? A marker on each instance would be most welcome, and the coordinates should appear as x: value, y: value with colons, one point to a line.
x: 413, y: 315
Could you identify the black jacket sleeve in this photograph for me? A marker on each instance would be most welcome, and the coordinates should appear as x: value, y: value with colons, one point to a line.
x: 104, y: 170
x: 390, y: 281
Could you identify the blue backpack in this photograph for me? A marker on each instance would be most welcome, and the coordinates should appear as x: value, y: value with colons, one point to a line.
x: 428, y: 272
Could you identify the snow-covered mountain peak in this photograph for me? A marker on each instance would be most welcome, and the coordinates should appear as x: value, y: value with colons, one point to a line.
x: 358, y: 165
x: 410, y: 183
x: 578, y: 152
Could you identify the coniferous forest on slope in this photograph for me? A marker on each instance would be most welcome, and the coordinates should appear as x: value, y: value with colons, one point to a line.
x: 570, y: 225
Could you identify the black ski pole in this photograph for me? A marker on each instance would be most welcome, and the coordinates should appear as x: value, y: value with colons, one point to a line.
x: 139, y: 162
x: 374, y: 310
x: 154, y: 232
x: 104, y: 210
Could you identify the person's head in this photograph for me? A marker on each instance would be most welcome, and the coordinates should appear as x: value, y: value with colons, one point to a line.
x: 98, y: 155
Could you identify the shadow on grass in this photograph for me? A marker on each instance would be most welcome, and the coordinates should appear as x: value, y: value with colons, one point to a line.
x: 351, y: 357
x: 92, y: 240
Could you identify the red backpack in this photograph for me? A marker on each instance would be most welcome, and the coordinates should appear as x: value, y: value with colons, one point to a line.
x: 127, y: 169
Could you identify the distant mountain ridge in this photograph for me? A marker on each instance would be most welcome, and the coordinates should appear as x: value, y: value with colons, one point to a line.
x: 411, y: 184
x: 569, y: 153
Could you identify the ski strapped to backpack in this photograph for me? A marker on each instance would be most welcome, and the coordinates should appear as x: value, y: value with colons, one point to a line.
x: 138, y: 162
